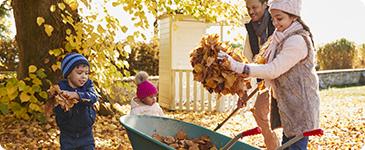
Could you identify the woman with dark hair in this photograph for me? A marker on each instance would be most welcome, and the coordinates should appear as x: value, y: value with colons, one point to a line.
x: 259, y: 29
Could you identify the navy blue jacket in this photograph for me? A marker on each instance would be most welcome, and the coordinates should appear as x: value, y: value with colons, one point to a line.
x: 79, y: 119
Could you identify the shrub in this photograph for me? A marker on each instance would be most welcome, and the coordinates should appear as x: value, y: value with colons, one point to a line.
x: 144, y: 57
x: 359, y: 59
x: 9, y: 55
x: 336, y: 55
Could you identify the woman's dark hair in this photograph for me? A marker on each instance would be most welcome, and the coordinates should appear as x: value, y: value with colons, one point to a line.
x: 305, y: 27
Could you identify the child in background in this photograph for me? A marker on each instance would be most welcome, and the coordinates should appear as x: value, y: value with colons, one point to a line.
x: 76, y: 124
x: 145, y: 102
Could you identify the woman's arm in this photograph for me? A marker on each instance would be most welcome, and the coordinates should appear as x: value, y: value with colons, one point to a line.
x: 294, y: 50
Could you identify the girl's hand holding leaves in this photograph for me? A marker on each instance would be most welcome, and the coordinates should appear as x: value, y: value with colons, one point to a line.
x: 214, y: 62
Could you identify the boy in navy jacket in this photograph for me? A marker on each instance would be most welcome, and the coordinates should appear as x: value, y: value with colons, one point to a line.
x: 76, y: 124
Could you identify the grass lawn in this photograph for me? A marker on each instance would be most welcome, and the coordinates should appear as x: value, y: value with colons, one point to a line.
x: 342, y: 118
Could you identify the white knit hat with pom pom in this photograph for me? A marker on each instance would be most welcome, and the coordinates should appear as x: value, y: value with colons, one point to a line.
x: 290, y: 6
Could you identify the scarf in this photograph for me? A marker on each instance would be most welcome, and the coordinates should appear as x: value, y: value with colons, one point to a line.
x: 260, y: 27
x: 277, y: 37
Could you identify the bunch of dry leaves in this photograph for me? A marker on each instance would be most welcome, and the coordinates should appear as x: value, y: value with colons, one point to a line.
x: 57, y: 98
x: 215, y: 74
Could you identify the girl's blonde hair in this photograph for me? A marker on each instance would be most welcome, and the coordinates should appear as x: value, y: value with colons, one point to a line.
x: 141, y: 77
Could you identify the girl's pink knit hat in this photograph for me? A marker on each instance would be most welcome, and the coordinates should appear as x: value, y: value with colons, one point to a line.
x: 145, y: 89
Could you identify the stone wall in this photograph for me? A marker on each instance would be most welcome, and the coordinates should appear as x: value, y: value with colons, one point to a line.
x: 327, y: 78
x: 343, y: 77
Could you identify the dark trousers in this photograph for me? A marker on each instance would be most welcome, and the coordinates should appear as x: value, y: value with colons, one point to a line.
x: 300, y: 145
x: 78, y: 142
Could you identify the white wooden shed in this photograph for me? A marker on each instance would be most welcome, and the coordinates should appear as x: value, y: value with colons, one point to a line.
x: 178, y: 35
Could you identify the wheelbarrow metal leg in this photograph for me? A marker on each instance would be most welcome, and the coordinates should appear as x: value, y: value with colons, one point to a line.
x: 231, y: 142
x: 235, y: 110
x: 318, y: 132
x: 290, y: 142
x: 250, y: 132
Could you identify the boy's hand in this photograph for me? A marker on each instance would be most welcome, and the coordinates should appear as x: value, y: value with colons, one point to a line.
x: 67, y: 99
x: 70, y: 95
x: 53, y: 91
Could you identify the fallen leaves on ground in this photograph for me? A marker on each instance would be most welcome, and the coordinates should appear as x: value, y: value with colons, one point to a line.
x: 342, y: 119
x: 19, y: 134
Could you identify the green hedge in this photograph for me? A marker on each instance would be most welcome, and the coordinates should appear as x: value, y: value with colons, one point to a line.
x: 360, y: 57
x: 8, y: 55
x: 339, y: 54
x: 144, y: 57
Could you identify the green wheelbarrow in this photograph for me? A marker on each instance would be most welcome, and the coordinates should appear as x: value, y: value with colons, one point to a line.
x: 140, y: 129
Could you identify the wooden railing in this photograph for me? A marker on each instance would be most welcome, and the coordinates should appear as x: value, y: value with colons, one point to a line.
x: 191, y: 95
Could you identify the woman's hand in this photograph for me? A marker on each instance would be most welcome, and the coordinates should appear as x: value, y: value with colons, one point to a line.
x: 240, y: 103
x: 242, y: 99
x: 222, y: 55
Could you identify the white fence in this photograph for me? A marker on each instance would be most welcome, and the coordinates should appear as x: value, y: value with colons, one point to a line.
x: 191, y: 95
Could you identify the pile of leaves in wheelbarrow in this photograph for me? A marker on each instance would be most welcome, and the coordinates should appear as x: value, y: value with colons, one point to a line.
x: 215, y: 74
x: 181, y: 141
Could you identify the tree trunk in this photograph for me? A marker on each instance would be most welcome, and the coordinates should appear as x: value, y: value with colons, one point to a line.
x: 32, y: 40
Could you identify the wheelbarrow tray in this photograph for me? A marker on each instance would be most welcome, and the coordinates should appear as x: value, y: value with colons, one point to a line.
x: 140, y: 128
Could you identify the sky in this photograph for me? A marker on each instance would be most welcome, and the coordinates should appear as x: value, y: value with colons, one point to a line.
x: 328, y: 20
x: 333, y: 19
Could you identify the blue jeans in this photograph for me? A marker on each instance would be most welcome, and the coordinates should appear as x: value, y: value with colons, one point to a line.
x: 300, y: 145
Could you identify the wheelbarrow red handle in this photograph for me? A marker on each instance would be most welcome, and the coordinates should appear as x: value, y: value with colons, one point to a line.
x: 250, y: 132
x: 318, y: 132
x: 235, y: 110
